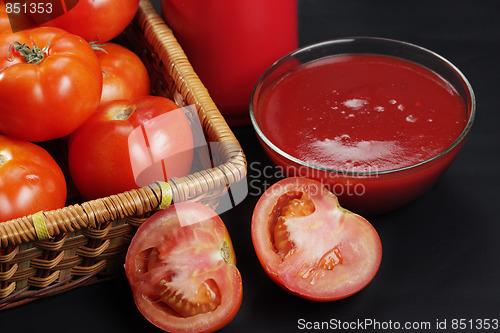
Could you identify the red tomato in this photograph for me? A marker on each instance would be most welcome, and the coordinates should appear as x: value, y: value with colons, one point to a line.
x: 30, y: 179
x: 51, y: 98
x: 184, y: 276
x: 99, y: 160
x: 311, y: 246
x: 124, y: 76
x: 95, y: 21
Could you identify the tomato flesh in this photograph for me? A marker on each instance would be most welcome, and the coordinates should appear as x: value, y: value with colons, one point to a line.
x: 289, y: 205
x: 208, y: 298
x: 311, y: 246
x: 296, y: 205
x: 184, y: 277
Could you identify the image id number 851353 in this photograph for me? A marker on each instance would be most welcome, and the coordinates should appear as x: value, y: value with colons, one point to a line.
x: 475, y: 324
x: 28, y: 8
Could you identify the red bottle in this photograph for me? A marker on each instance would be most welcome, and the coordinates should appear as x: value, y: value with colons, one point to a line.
x: 231, y: 43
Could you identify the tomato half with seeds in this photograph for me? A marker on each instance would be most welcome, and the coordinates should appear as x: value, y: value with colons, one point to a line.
x: 311, y: 246
x: 182, y: 270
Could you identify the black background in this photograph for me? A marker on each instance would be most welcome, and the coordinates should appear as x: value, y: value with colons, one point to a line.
x: 441, y: 253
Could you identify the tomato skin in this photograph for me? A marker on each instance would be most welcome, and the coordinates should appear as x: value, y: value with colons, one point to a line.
x: 334, y: 252
x: 185, y: 256
x: 95, y: 21
x: 124, y: 76
x: 4, y: 19
x: 50, y: 99
x: 30, y: 179
x: 98, y: 155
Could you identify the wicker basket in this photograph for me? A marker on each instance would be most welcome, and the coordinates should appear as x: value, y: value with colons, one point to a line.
x: 50, y: 252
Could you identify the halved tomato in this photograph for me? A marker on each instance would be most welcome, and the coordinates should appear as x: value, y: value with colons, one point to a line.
x: 311, y: 246
x: 182, y: 270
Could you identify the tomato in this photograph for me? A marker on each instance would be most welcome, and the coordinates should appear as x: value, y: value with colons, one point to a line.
x: 99, y: 155
x: 51, y: 98
x: 311, y: 246
x: 95, y: 21
x: 182, y: 270
x: 124, y: 76
x: 30, y: 179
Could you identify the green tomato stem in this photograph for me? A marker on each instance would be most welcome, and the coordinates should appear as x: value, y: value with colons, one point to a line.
x: 98, y: 47
x: 31, y: 56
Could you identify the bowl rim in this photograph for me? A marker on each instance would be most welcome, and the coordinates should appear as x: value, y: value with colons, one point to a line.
x: 307, y: 48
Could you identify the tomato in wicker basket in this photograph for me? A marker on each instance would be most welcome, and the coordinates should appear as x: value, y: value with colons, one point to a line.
x: 101, y: 159
x: 124, y: 76
x: 95, y: 21
x: 50, y: 83
x: 30, y: 179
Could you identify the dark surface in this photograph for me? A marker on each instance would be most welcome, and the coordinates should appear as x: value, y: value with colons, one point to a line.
x: 441, y: 257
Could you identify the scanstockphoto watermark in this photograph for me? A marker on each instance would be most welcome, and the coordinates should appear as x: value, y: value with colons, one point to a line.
x: 367, y: 324
x: 371, y: 324
x: 342, y: 183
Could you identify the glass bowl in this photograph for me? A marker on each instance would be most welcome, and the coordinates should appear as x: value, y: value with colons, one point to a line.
x: 368, y: 192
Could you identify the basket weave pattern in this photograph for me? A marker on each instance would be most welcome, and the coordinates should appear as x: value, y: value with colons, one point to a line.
x: 86, y: 242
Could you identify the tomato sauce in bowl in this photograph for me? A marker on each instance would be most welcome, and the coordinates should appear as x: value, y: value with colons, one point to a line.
x: 378, y: 124
x: 362, y: 113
